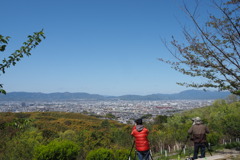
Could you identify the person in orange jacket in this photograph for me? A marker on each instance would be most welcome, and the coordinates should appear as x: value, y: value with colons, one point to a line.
x: 140, y: 133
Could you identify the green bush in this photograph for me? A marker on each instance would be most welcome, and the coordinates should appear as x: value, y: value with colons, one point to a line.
x: 57, y: 150
x: 100, y: 154
x: 213, y: 138
x: 49, y: 134
x: 232, y: 145
x: 123, y: 154
x: 21, y: 147
x: 68, y: 135
x: 108, y: 154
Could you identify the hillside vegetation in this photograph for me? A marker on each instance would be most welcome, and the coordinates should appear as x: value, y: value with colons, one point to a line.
x: 222, y: 119
x: 58, y: 135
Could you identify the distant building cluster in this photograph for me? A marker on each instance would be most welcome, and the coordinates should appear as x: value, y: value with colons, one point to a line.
x: 124, y: 111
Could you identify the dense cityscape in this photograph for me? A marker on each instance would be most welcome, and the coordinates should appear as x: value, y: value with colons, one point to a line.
x: 123, y: 111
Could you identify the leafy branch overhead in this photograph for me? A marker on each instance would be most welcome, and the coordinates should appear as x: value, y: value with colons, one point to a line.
x: 213, y: 51
x: 32, y: 42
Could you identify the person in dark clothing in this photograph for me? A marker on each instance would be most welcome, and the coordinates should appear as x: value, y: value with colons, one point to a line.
x: 141, y: 141
x: 198, y: 132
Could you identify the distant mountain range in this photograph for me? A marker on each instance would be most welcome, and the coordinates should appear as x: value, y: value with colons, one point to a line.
x: 66, y: 96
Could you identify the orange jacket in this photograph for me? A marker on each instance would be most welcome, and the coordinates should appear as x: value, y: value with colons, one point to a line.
x: 141, y: 142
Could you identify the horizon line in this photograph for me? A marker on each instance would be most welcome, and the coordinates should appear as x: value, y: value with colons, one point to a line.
x: 116, y: 95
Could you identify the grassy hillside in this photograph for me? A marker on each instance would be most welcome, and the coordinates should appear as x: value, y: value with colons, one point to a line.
x: 22, y: 132
x: 222, y: 119
x: 39, y: 134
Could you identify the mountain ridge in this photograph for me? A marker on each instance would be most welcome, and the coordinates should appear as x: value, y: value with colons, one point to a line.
x: 65, y: 96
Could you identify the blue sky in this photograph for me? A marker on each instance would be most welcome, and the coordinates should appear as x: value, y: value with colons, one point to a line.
x: 108, y: 47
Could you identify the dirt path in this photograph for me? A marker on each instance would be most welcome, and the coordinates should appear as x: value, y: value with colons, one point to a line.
x: 225, y: 154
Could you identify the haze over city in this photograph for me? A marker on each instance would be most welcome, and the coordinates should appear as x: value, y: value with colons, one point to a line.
x: 100, y: 47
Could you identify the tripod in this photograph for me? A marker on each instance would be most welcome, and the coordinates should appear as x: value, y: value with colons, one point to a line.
x: 151, y: 154
x: 207, y: 146
x: 129, y: 157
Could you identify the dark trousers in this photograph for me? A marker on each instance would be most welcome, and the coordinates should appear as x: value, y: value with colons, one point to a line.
x: 143, y: 155
x: 202, y: 148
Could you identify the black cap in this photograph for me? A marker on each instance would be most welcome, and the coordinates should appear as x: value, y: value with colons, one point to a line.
x: 138, y: 121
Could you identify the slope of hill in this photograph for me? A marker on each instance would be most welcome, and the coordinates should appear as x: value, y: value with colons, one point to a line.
x: 25, y: 135
x: 188, y: 94
x: 22, y: 133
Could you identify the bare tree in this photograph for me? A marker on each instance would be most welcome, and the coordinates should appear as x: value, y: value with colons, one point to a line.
x: 211, y: 51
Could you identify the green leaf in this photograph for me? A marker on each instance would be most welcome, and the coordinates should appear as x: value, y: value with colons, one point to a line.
x: 3, y: 91
x: 3, y: 47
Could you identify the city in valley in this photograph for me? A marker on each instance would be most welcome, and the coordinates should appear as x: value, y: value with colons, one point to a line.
x: 123, y: 111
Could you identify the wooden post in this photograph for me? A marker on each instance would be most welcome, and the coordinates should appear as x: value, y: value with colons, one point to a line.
x: 166, y: 153
x: 184, y: 150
